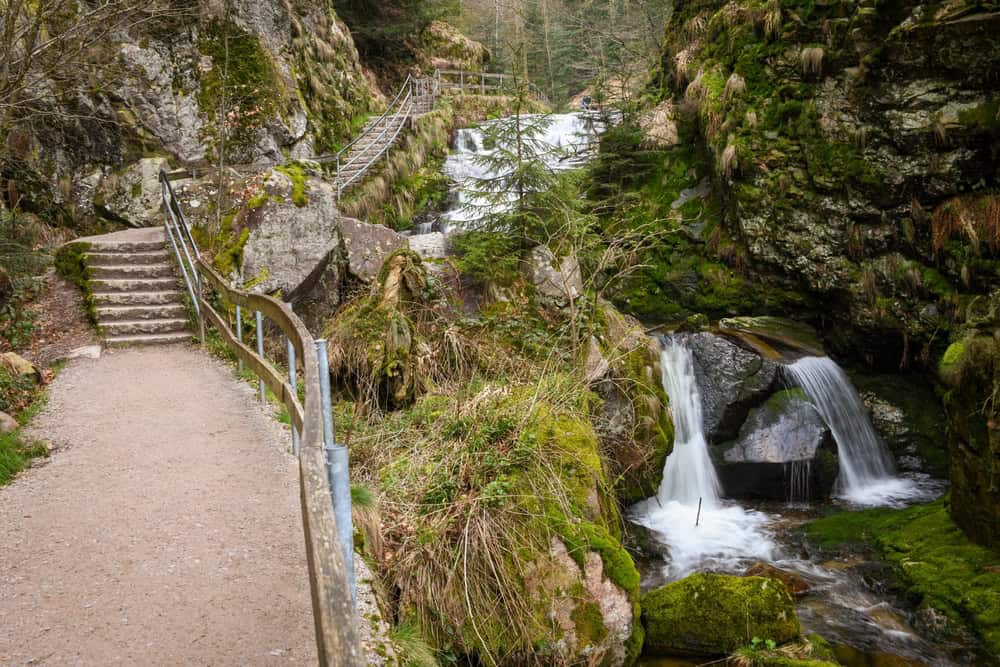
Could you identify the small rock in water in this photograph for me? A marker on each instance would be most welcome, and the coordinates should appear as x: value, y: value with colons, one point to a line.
x: 795, y: 584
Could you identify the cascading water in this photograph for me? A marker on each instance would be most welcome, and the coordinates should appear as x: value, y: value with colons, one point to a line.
x: 867, y: 473
x: 566, y: 141
x: 688, y: 475
x: 687, y: 515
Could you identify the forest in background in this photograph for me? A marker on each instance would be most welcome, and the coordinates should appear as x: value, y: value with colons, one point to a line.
x: 565, y: 46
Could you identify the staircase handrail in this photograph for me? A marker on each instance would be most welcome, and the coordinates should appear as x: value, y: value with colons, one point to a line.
x: 408, y: 106
x: 337, y: 638
x: 185, y: 248
x: 404, y: 88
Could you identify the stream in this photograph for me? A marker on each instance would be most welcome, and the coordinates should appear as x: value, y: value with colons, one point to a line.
x: 687, y: 527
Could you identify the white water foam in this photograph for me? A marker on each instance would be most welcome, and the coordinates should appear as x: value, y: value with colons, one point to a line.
x: 867, y: 474
x: 566, y: 141
x: 721, y: 535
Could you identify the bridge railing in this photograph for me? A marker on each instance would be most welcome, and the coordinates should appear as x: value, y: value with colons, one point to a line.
x: 330, y: 577
x: 483, y: 83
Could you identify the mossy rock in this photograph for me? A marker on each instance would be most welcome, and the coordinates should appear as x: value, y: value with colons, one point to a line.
x: 715, y: 614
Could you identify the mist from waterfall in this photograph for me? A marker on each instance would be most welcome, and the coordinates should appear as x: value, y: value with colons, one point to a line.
x: 867, y: 473
x: 687, y: 515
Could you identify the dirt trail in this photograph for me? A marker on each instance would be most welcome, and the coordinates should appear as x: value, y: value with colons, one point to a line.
x: 165, y: 530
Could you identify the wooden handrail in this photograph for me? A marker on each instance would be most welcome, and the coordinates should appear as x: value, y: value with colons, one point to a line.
x: 337, y: 639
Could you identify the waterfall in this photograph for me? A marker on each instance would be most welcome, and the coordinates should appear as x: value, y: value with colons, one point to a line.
x: 797, y: 475
x: 686, y: 515
x: 688, y: 474
x: 867, y: 473
x: 566, y: 142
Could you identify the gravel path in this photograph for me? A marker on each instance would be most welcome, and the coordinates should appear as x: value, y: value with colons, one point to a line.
x: 165, y: 529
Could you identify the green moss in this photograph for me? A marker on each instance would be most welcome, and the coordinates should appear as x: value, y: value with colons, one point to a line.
x: 589, y: 623
x: 952, y: 358
x: 985, y: 117
x: 71, y: 264
x: 937, y: 564
x: 297, y: 174
x: 251, y: 86
x: 715, y: 614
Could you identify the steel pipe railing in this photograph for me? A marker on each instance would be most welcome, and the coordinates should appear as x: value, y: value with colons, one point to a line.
x: 331, y: 583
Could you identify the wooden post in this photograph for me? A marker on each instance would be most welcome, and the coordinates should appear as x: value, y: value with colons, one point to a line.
x: 482, y: 82
x: 461, y: 81
x: 697, y: 518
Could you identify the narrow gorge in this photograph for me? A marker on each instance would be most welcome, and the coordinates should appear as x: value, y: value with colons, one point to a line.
x: 659, y: 333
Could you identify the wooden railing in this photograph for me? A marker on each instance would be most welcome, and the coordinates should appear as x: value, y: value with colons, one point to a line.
x: 483, y: 83
x: 337, y: 639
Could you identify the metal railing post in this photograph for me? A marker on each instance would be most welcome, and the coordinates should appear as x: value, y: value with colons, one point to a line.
x: 239, y: 336
x: 337, y: 470
x: 292, y: 380
x: 260, y: 351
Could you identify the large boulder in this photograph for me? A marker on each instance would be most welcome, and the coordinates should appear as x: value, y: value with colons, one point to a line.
x: 715, y: 614
x: 132, y: 195
x: 367, y: 247
x: 784, y: 452
x: 294, y: 234
x: 556, y: 279
x: 731, y: 379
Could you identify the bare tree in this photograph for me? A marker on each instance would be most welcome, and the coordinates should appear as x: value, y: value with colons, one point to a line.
x: 48, y: 47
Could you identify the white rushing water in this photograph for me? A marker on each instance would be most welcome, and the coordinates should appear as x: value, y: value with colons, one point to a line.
x: 565, y: 141
x: 725, y: 533
x: 867, y: 473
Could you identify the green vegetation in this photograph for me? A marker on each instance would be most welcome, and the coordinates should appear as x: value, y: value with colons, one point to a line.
x: 716, y: 614
x: 937, y: 565
x: 297, y: 174
x: 242, y: 76
x: 21, y: 396
x: 483, y: 483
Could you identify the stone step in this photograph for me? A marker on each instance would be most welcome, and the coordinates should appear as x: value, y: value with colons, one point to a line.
x: 148, y: 339
x: 148, y: 298
x: 108, y: 314
x: 119, y: 258
x: 141, y: 327
x: 134, y: 284
x: 131, y: 271
x: 127, y: 246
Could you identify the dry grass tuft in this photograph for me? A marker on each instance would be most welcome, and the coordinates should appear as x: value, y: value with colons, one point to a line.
x: 736, y: 85
x: 975, y: 217
x: 696, y: 90
x: 771, y: 22
x: 751, y: 119
x: 729, y: 162
x: 812, y: 60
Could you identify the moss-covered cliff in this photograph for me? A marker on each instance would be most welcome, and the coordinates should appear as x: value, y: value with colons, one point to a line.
x: 837, y: 161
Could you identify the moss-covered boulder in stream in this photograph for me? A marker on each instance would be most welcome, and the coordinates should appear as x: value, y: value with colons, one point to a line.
x: 715, y: 614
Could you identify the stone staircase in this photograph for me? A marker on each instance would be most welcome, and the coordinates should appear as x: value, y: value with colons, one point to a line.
x: 136, y: 292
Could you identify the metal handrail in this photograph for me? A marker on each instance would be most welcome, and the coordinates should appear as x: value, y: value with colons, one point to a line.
x: 181, y: 240
x: 330, y: 579
x: 388, y: 108
x: 408, y: 105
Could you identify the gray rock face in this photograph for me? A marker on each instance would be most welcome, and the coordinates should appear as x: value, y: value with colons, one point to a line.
x: 784, y: 452
x: 132, y: 195
x: 289, y: 246
x: 731, y: 379
x: 555, y: 279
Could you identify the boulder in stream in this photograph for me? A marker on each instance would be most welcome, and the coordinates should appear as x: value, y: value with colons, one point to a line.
x: 715, y: 614
x: 732, y: 380
x: 784, y: 452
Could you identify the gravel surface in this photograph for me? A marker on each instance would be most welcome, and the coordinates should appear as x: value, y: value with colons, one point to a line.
x: 164, y: 530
